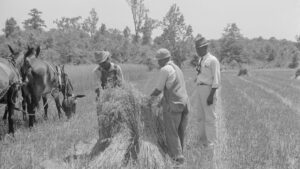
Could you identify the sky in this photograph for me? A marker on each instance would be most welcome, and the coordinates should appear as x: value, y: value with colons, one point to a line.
x: 266, y: 18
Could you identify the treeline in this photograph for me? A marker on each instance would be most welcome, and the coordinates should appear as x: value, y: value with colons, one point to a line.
x: 75, y: 39
x: 234, y: 50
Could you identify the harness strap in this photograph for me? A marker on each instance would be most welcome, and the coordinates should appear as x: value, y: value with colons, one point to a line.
x: 57, y: 73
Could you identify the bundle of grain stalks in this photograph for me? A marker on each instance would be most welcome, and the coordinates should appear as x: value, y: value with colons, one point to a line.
x: 130, y: 132
x: 243, y: 72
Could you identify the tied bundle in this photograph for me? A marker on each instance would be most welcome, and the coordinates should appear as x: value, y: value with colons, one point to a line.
x: 131, y: 133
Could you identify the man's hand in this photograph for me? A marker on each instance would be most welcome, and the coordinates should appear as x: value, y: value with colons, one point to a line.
x: 97, y: 91
x: 152, y: 98
x: 210, y: 99
x: 155, y: 93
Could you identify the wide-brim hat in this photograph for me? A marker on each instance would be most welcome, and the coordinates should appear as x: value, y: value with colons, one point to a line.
x: 101, y: 56
x: 162, y: 54
x: 201, y: 42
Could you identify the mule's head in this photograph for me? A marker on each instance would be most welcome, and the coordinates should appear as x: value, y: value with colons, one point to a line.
x: 25, y: 66
x: 70, y: 100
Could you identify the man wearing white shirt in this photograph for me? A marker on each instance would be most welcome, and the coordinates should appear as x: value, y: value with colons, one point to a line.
x: 208, y: 81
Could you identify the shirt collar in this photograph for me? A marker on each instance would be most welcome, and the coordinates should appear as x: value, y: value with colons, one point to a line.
x: 206, y: 56
x: 112, y: 65
x: 168, y: 63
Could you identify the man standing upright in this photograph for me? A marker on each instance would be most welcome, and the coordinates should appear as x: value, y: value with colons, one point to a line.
x: 208, y: 81
x: 175, y: 104
x: 107, y: 74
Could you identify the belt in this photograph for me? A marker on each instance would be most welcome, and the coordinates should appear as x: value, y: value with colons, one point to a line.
x: 200, y: 84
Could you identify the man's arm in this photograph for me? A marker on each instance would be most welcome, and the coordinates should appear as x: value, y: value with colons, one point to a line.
x: 162, y: 79
x: 155, y: 93
x: 120, y: 75
x: 215, y: 67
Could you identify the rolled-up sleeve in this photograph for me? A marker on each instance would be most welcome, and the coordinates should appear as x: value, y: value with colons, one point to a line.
x: 162, y: 79
x: 120, y: 74
x: 120, y: 78
x: 215, y: 69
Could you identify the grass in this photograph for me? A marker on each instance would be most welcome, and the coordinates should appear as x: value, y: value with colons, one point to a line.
x: 263, y: 131
x: 255, y: 125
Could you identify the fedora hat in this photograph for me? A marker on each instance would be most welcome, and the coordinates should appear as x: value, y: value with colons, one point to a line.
x: 101, y: 56
x: 200, y: 42
x: 162, y: 54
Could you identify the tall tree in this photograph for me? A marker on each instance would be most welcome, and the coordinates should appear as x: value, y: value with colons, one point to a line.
x: 175, y: 34
x: 139, y: 12
x: 35, y: 21
x: 295, y: 60
x: 126, y: 32
x: 149, y: 25
x: 90, y: 23
x: 68, y: 24
x: 10, y: 27
x: 231, y: 46
x: 126, y: 45
x: 103, y: 29
x: 298, y: 42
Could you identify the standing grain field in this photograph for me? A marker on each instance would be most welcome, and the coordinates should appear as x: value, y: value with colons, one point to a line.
x: 258, y: 123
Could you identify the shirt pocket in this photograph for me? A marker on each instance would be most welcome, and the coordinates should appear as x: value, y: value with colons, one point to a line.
x: 206, y: 65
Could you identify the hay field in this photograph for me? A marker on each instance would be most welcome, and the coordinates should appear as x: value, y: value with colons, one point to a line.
x: 258, y: 123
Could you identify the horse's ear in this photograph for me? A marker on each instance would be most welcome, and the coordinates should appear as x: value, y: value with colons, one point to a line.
x: 11, y: 50
x: 63, y: 68
x: 37, y: 52
x: 29, y: 52
x: 56, y: 67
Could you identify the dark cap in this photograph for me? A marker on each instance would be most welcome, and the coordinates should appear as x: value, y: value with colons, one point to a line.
x: 162, y: 54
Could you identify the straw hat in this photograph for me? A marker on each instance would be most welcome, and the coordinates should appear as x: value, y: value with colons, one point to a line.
x: 162, y: 54
x: 101, y: 56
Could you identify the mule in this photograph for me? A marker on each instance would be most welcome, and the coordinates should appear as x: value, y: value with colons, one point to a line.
x: 44, y: 79
x: 10, y: 86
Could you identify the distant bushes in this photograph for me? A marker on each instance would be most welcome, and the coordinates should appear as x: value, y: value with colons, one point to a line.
x: 243, y: 72
x: 75, y: 46
x: 297, y: 73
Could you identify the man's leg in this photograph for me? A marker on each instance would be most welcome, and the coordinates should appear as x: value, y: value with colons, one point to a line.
x: 210, y: 123
x: 210, y: 117
x: 201, y: 102
x: 183, y: 125
x: 171, y: 123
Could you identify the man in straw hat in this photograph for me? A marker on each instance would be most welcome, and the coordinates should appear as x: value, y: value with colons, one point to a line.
x: 175, y: 103
x: 208, y: 81
x: 107, y: 73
